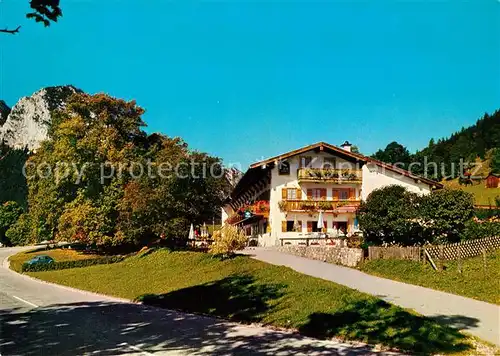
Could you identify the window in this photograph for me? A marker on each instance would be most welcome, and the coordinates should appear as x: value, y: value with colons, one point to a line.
x: 291, y: 193
x: 316, y: 193
x: 312, y: 226
x: 343, y: 194
x: 289, y: 226
x: 284, y: 168
x: 305, y: 161
x: 329, y: 163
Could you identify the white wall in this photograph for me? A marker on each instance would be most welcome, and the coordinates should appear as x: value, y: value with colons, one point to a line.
x: 375, y: 177
x: 278, y: 182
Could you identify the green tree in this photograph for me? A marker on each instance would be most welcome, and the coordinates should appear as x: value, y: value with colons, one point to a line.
x: 394, y: 153
x: 43, y: 11
x: 9, y: 214
x: 19, y: 232
x: 393, y: 215
x: 111, y: 184
x: 389, y: 216
x: 192, y: 192
x: 92, y: 132
x: 495, y: 161
x: 444, y: 214
x: 13, y: 185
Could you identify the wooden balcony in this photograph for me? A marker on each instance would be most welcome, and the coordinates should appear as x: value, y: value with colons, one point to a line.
x: 328, y: 175
x: 349, y: 205
x: 259, y: 209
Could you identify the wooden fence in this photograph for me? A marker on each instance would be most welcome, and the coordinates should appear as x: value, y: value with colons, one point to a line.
x: 448, y: 252
x: 464, y: 249
x: 395, y: 252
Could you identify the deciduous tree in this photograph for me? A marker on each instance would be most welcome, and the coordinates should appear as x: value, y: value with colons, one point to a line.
x: 43, y: 11
x: 9, y: 214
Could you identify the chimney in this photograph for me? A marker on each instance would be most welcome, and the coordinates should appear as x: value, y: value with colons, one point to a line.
x: 346, y: 146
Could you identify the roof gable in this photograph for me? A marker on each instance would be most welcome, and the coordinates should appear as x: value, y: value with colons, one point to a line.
x: 323, y: 146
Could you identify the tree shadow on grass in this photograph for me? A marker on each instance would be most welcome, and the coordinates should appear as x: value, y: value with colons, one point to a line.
x: 236, y: 297
x: 377, y: 322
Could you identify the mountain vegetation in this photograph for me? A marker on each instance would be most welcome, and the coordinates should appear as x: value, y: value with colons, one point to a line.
x: 441, y: 159
x: 12, y: 181
x: 101, y: 180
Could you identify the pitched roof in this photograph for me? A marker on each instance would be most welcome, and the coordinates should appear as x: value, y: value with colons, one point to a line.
x: 322, y: 146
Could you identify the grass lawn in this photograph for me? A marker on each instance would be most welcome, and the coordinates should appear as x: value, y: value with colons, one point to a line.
x: 246, y: 290
x: 482, y: 195
x: 473, y: 282
x: 58, y: 254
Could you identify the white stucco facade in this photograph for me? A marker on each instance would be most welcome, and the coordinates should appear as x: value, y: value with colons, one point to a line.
x: 297, y: 200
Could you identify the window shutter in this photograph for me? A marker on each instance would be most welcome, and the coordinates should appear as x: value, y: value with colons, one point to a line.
x: 309, y: 226
x: 309, y: 194
x: 335, y: 194
x: 351, y: 193
x: 299, y: 194
x: 323, y: 193
x: 300, y: 225
x: 283, y: 226
x: 325, y: 224
x: 284, y: 194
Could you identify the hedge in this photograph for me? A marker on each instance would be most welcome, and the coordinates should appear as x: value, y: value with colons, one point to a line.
x: 38, y: 267
x: 479, y: 230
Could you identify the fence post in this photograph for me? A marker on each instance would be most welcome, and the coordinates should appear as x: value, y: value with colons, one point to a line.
x: 484, y: 260
x: 459, y: 262
x: 441, y: 257
x: 430, y: 259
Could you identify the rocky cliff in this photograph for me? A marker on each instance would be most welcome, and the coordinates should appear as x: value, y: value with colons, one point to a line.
x: 26, y: 125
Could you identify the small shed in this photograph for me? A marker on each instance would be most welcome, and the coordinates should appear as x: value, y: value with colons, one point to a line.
x: 493, y: 180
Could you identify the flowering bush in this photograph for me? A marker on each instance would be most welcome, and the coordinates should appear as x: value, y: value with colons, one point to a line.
x: 228, y: 240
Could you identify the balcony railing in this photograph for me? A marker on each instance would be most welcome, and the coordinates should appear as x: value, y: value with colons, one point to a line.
x: 316, y: 205
x: 260, y: 208
x: 329, y: 175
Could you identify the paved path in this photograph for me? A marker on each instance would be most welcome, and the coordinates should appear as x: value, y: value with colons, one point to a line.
x: 478, y: 318
x: 37, y: 318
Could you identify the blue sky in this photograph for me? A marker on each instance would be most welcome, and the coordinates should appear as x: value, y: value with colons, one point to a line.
x: 247, y: 80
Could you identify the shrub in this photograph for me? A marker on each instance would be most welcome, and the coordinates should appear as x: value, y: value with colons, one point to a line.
x: 9, y: 214
x: 479, y: 230
x: 444, y: 214
x: 228, y: 240
x: 19, y: 232
x: 389, y: 216
x: 71, y: 264
x: 393, y: 215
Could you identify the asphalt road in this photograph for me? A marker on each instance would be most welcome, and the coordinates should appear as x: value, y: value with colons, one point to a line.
x: 37, y: 318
